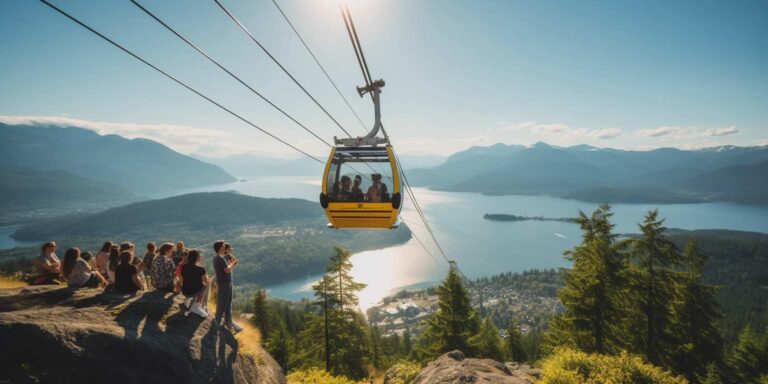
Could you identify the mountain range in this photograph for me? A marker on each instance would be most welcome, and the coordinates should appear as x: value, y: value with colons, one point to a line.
x: 50, y: 165
x: 664, y: 175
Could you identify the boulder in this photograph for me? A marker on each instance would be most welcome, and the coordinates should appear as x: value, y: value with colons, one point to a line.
x: 454, y: 367
x: 62, y: 335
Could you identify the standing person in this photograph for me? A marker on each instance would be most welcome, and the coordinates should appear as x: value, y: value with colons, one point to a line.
x: 163, y: 269
x: 178, y: 254
x: 127, y: 279
x: 195, y: 284
x: 78, y: 272
x: 223, y: 271
x: 102, y: 258
x: 47, y: 265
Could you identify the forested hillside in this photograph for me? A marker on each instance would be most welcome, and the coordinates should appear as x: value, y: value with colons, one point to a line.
x: 26, y: 188
x: 274, y: 239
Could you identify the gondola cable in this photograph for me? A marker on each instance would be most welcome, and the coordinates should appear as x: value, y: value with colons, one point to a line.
x: 137, y: 57
x: 253, y: 38
x: 207, y: 56
x: 322, y: 68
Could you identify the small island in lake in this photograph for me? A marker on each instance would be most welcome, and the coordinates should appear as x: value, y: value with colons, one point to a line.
x: 506, y: 217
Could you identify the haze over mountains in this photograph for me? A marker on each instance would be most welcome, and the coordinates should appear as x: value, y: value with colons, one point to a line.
x: 49, y: 165
x: 664, y: 175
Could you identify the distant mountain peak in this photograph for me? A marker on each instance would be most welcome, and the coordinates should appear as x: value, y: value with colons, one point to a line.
x: 541, y: 144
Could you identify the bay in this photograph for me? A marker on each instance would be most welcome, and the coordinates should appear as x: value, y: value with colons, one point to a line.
x: 480, y: 247
x: 483, y: 247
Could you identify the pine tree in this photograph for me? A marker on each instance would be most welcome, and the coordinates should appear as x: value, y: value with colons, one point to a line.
x: 337, y: 338
x: 514, y: 343
x: 407, y: 342
x: 376, y: 349
x: 711, y: 376
x: 701, y: 344
x: 748, y: 362
x: 592, y: 295
x: 655, y: 289
x: 455, y: 321
x: 262, y: 313
x: 487, y: 343
x: 279, y: 345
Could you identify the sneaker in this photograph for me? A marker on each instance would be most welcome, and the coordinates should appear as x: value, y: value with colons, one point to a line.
x: 197, y: 309
x: 188, y: 302
x: 236, y: 328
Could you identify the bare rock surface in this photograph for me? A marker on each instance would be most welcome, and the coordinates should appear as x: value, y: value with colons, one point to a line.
x: 454, y: 367
x: 61, y: 335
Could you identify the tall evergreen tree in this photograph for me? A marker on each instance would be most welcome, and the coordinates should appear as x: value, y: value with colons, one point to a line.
x: 749, y: 360
x: 407, y: 342
x: 487, y: 342
x: 262, y: 313
x: 338, y: 337
x: 455, y: 321
x: 701, y: 344
x: 279, y: 345
x: 592, y: 295
x: 655, y: 289
x: 514, y: 342
x: 376, y: 349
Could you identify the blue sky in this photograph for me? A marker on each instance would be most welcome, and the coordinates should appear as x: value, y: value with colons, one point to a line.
x: 627, y: 74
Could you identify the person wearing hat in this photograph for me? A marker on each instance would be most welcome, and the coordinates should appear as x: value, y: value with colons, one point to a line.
x: 357, y: 192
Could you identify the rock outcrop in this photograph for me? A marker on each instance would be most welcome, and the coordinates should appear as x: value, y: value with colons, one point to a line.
x: 454, y: 367
x: 61, y: 335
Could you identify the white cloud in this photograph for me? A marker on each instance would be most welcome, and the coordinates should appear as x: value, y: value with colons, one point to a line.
x: 606, y: 133
x: 563, y: 133
x: 732, y: 130
x: 180, y: 138
x: 658, y: 132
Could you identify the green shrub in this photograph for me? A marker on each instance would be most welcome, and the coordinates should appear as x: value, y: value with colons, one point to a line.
x: 317, y: 376
x: 403, y: 372
x: 568, y: 366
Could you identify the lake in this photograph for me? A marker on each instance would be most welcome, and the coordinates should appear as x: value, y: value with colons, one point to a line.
x: 483, y: 247
x: 480, y: 247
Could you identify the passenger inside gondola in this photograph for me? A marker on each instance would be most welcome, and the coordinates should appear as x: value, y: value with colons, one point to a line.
x: 377, y: 193
x: 345, y: 192
x: 357, y: 192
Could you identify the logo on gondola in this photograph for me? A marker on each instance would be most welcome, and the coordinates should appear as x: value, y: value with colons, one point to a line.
x: 360, y: 206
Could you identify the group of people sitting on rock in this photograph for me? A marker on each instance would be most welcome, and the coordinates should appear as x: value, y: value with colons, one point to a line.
x: 346, y: 190
x: 173, y: 269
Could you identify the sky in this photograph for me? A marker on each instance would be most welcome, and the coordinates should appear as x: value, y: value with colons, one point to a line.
x: 620, y: 74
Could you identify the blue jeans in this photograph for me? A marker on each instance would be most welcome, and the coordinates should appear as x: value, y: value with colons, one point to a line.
x: 224, y: 303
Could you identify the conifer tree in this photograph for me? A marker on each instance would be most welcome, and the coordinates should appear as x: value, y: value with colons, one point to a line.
x: 262, y: 313
x: 749, y: 360
x: 337, y: 338
x: 455, y: 321
x: 655, y: 289
x: 487, y: 342
x: 279, y: 345
x: 701, y: 344
x: 376, y: 349
x: 592, y: 295
x: 407, y: 342
x: 514, y: 343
